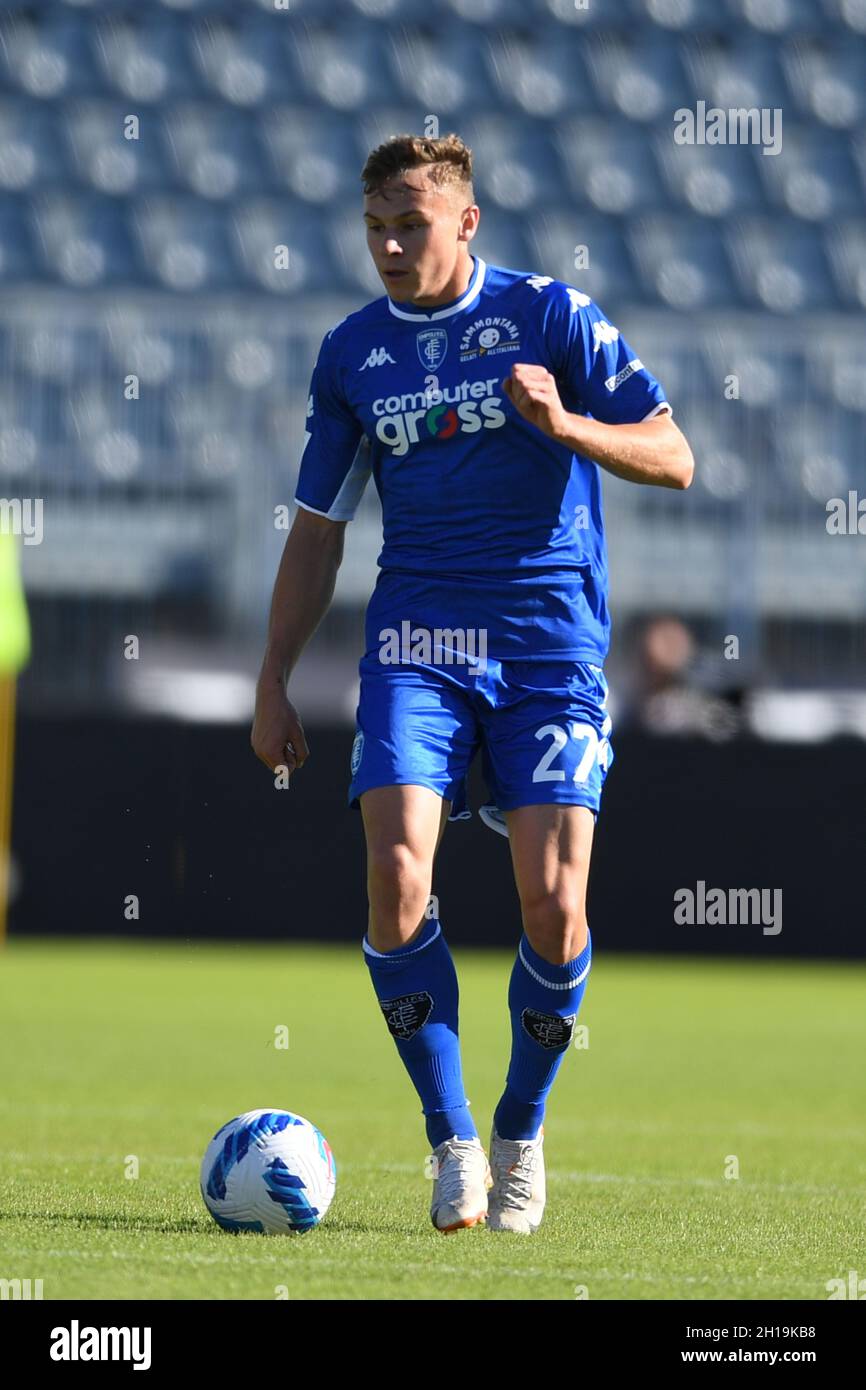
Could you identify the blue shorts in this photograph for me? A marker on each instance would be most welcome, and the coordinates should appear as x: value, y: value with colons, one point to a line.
x: 542, y: 727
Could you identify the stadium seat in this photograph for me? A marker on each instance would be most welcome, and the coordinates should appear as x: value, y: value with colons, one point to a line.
x: 123, y: 437
x: 261, y: 225
x: 105, y: 160
x: 131, y: 345
x: 745, y: 73
x: 489, y: 14
x: 342, y: 70
x: 557, y: 236
x: 244, y: 65
x: 20, y: 260
x: 547, y: 78
x: 677, y: 16
x: 45, y: 57
x: 214, y: 151
x: 683, y: 375
x: 641, y: 78
x: 501, y: 240
x: 827, y: 82
x: 518, y: 167
x: 443, y: 74
x: 607, y: 165
x: 776, y: 18
x: 725, y: 449
x: 382, y: 12
x: 755, y: 374
x: 815, y: 451
x: 779, y: 264
x: 565, y: 18
x: 85, y: 239
x: 846, y: 381
x: 144, y: 59
x: 682, y: 260
x: 714, y: 181
x: 845, y: 245
x: 183, y: 243
x: 817, y: 179
x: 32, y: 147
x: 316, y: 161
x: 32, y: 415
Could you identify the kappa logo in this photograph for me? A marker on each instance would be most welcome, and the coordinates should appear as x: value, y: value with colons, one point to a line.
x: 548, y: 1029
x: 407, y: 1014
x: 603, y: 332
x: 487, y: 336
x: 432, y: 345
x: 579, y: 300
x: 378, y: 357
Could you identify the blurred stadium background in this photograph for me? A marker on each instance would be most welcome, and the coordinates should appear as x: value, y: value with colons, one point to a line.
x: 154, y: 369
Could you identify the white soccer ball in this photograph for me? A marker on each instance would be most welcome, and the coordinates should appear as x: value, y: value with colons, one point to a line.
x: 268, y: 1171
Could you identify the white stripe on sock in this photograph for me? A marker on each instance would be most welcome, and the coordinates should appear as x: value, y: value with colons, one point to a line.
x: 388, y: 955
x: 551, y: 984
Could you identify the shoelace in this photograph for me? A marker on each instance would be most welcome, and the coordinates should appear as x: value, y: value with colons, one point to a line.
x: 463, y: 1154
x: 515, y: 1180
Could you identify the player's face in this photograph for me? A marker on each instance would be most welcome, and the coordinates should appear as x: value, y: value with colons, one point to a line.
x: 417, y: 237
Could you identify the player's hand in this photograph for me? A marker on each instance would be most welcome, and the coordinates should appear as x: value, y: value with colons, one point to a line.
x: 277, y: 735
x: 532, y: 390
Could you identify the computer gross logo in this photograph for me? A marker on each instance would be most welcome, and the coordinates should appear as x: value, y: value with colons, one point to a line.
x: 437, y: 414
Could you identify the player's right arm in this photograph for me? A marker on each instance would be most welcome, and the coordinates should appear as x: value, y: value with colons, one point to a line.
x: 333, y: 473
x: 302, y: 594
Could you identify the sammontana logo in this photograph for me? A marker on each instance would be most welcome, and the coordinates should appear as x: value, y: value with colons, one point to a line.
x: 487, y: 336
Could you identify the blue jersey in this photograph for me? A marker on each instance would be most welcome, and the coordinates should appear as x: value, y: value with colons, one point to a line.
x: 488, y: 523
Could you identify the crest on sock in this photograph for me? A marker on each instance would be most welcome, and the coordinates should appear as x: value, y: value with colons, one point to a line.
x: 550, y: 1030
x: 406, y: 1014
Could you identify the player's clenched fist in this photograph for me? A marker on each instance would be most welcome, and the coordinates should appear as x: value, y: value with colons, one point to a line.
x: 277, y: 734
x: 532, y: 390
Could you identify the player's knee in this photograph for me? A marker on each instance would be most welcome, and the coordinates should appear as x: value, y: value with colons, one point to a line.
x: 556, y: 925
x: 398, y: 881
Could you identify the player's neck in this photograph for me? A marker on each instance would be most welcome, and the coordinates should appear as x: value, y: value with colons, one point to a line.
x: 457, y: 286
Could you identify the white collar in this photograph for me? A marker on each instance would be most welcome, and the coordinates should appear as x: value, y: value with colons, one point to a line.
x: 473, y: 289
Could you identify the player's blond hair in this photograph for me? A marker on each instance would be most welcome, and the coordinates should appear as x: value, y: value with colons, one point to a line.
x: 448, y: 160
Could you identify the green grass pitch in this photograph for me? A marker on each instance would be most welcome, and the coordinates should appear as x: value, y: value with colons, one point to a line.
x: 147, y: 1048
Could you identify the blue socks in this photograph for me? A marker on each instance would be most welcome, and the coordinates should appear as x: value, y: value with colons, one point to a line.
x: 544, y: 1000
x: 416, y: 986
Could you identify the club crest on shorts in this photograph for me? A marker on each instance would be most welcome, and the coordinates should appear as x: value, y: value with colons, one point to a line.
x: 406, y: 1014
x: 357, y: 751
x: 432, y: 345
x: 548, y: 1029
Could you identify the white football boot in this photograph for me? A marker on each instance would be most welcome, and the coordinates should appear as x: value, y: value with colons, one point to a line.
x: 460, y: 1182
x: 518, y: 1195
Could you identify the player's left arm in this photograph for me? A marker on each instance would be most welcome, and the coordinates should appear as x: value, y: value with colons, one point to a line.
x: 653, y: 451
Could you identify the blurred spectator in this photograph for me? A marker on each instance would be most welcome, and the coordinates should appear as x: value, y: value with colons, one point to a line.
x: 667, y: 697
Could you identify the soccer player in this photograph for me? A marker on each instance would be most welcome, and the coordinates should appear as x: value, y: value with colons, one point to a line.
x: 482, y: 400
